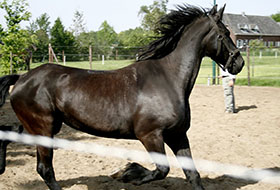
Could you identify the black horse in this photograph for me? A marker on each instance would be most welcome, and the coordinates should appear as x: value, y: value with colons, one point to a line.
x: 148, y: 100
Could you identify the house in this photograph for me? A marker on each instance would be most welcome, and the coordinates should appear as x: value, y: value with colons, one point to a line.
x: 244, y: 28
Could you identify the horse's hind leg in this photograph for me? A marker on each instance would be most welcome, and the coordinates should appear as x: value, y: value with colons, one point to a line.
x: 45, y: 168
x: 44, y: 125
x: 4, y: 144
x: 180, y: 146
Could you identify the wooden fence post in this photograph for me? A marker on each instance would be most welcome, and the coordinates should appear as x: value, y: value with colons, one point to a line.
x: 50, y: 54
x: 248, y: 64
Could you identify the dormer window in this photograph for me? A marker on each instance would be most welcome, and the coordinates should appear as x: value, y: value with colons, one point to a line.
x: 248, y: 28
x: 244, y: 28
x: 254, y: 28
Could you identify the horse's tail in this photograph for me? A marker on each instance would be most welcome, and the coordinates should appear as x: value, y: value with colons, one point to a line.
x: 5, y: 83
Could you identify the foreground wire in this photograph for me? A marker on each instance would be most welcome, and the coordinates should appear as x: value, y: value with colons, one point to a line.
x: 264, y: 175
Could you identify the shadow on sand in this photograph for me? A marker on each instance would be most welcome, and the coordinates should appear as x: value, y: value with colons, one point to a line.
x: 169, y: 183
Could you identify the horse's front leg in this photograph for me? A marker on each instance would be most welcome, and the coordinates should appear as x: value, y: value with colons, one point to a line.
x: 45, y: 167
x: 136, y: 173
x: 180, y: 146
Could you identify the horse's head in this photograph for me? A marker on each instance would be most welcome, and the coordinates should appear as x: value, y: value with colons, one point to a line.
x: 219, y: 45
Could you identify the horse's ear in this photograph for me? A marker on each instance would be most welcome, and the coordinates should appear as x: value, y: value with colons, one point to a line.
x: 214, y: 10
x: 221, y: 12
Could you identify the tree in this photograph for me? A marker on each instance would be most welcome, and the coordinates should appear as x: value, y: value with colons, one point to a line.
x: 78, y: 25
x: 276, y: 17
x: 107, y: 39
x: 151, y: 14
x: 62, y: 40
x: 16, y: 40
x: 41, y: 28
x: 132, y: 40
x: 84, y: 40
x: 16, y: 12
x: 43, y: 23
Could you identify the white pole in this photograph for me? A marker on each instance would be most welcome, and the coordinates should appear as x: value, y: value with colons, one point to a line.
x: 64, y: 60
x: 103, y: 58
x: 260, y: 55
x: 276, y: 54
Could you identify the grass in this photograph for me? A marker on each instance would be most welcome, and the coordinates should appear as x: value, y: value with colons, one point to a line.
x: 96, y: 65
x: 264, y: 71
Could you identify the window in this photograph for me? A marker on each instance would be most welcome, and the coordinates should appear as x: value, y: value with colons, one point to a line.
x: 270, y: 44
x: 239, y: 43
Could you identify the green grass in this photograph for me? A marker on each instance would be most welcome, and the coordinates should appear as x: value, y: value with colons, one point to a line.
x: 264, y: 71
x: 96, y: 65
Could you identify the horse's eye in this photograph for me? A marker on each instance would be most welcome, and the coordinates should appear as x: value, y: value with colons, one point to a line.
x: 220, y: 37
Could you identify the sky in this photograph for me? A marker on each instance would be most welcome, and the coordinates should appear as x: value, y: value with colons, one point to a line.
x: 123, y: 14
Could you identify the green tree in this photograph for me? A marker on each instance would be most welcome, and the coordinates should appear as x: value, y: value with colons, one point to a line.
x: 131, y: 41
x: 16, y: 40
x: 83, y: 41
x: 152, y: 13
x: 107, y: 39
x: 43, y: 23
x: 62, y: 40
x: 16, y: 11
x: 276, y: 17
x: 79, y: 25
x: 41, y: 28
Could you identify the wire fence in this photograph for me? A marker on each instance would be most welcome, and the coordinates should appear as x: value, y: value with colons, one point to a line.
x: 241, y: 172
x: 262, y: 64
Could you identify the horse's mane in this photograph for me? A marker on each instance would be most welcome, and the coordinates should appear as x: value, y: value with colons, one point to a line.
x: 171, y: 27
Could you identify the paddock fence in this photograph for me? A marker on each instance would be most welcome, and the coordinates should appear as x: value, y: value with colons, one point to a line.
x: 262, y: 64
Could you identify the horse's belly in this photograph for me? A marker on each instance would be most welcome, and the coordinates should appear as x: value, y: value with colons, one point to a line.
x: 101, y: 123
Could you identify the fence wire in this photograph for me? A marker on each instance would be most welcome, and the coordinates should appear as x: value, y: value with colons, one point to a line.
x: 241, y: 172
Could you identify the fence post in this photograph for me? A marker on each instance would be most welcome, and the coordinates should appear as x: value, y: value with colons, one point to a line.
x: 90, y: 57
x: 63, y: 56
x: 50, y: 54
x: 248, y: 64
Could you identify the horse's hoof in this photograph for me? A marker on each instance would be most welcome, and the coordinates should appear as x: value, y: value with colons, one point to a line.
x: 132, y: 173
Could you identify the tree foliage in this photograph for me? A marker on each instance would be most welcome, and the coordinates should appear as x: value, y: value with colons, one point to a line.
x: 79, y: 25
x: 152, y: 13
x: 107, y: 39
x: 16, y: 41
x: 62, y: 40
x: 41, y: 28
x: 276, y: 17
x: 76, y: 41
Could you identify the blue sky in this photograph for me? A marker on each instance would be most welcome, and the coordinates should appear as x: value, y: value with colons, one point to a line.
x: 123, y: 14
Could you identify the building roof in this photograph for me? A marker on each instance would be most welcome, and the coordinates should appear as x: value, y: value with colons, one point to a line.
x: 242, y: 24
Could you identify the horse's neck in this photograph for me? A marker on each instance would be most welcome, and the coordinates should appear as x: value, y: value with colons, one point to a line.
x: 185, y: 60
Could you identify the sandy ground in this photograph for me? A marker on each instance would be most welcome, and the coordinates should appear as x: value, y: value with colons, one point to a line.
x: 249, y: 138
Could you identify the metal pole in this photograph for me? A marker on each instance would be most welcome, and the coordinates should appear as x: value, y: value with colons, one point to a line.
x: 214, y: 65
x: 248, y: 64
